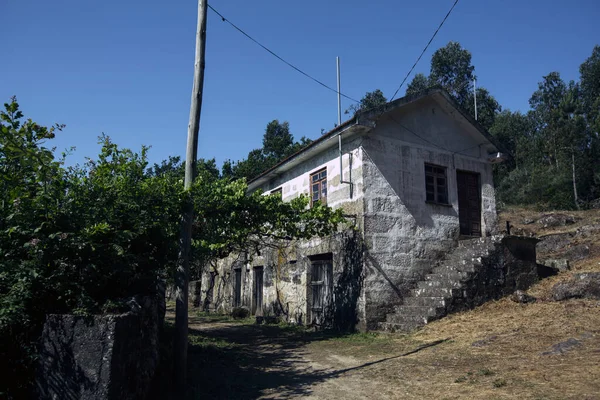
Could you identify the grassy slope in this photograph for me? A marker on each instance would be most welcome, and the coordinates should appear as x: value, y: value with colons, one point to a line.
x: 506, y: 360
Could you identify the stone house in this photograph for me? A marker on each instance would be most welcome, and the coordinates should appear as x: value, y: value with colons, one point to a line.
x: 414, y: 176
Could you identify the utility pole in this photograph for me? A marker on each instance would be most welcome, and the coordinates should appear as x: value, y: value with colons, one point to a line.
x: 574, y: 182
x: 183, y: 266
x: 475, y: 96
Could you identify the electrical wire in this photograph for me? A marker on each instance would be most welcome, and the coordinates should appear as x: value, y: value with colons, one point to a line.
x: 425, y: 49
x: 278, y: 57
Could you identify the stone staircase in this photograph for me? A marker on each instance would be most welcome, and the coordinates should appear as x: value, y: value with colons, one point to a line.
x: 450, y: 287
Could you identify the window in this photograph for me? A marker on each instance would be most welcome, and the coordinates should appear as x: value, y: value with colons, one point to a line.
x: 436, y: 184
x: 318, y: 187
x: 321, y: 285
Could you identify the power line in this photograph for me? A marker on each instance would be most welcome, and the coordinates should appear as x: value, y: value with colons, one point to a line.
x: 425, y: 49
x: 278, y: 57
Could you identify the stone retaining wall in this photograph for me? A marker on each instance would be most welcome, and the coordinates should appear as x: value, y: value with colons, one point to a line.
x: 101, y: 356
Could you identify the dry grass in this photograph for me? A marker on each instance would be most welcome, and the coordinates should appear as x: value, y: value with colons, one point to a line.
x: 507, y: 364
x: 517, y: 215
x: 506, y: 361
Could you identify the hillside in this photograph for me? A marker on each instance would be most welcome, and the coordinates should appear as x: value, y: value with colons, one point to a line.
x: 503, y: 349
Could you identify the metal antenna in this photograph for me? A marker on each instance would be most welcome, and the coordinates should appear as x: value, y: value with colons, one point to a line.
x: 339, y: 97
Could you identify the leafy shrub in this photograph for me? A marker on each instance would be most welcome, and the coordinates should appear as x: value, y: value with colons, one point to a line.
x: 240, y: 313
x: 73, y: 239
x: 84, y: 239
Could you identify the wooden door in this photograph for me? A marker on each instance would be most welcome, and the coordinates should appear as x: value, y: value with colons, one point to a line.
x: 469, y: 203
x: 257, y: 293
x: 237, y: 290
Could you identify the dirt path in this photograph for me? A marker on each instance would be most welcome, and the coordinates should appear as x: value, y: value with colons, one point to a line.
x: 272, y: 363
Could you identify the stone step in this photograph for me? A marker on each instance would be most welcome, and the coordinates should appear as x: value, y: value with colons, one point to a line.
x: 450, y: 275
x: 441, y: 288
x: 419, y: 311
x: 446, y: 292
x: 408, y: 319
x: 422, y: 301
x: 400, y: 328
x: 469, y: 268
x: 446, y: 284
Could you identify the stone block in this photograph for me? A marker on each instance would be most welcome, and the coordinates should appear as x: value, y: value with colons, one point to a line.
x: 376, y: 223
x: 100, y: 357
x: 388, y: 204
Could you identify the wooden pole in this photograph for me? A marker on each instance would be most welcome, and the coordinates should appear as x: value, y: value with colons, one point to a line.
x: 574, y: 182
x: 182, y: 274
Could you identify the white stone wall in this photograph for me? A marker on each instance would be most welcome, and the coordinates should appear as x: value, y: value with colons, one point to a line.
x: 286, y: 270
x: 297, y: 180
x: 404, y: 235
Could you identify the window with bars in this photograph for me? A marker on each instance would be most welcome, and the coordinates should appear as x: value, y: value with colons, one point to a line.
x: 318, y: 187
x: 436, y: 184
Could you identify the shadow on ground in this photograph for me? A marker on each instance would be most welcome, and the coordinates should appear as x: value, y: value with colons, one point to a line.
x: 229, y: 360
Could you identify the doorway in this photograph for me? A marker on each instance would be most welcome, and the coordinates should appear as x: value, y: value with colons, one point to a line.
x: 237, y: 289
x: 257, y: 292
x: 469, y: 203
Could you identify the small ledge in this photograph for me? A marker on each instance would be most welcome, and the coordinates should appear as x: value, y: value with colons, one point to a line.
x: 433, y: 203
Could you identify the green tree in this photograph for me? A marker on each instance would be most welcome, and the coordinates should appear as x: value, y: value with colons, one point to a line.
x: 369, y: 101
x: 87, y: 238
x: 451, y: 69
x: 487, y: 107
x: 419, y: 83
x: 277, y: 140
x: 546, y: 110
x: 590, y: 102
x: 278, y: 144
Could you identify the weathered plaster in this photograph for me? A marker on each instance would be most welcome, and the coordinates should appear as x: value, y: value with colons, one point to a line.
x: 404, y: 236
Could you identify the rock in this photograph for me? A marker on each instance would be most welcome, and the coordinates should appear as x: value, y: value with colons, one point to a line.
x: 554, y: 220
x: 554, y: 243
x: 527, y: 221
x: 521, y: 297
x: 588, y: 230
x: 578, y: 252
x: 581, y: 286
x: 595, y: 204
x: 559, y: 264
x: 112, y: 356
x: 563, y: 347
x: 545, y: 271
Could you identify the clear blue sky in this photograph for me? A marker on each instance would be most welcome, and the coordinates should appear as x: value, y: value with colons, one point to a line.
x: 124, y: 67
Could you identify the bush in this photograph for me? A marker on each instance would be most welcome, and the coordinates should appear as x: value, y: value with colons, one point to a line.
x: 84, y: 239
x: 240, y: 313
x: 77, y: 239
x: 544, y: 188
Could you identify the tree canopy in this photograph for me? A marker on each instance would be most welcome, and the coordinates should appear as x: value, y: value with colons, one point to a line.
x: 278, y: 144
x: 369, y: 101
x: 86, y: 238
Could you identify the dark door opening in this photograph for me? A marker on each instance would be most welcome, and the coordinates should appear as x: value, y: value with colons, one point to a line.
x: 321, y: 285
x: 237, y: 291
x: 469, y: 203
x: 257, y: 292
